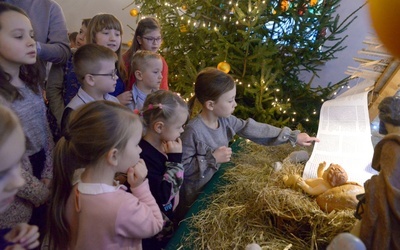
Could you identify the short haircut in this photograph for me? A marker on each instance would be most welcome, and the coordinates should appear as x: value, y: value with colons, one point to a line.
x: 86, y: 59
x: 86, y: 21
x: 72, y: 36
x: 141, y: 58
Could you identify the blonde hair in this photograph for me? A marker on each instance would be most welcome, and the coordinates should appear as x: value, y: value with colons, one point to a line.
x: 87, y: 59
x: 107, y: 21
x: 93, y: 130
x: 161, y: 104
x: 140, y: 60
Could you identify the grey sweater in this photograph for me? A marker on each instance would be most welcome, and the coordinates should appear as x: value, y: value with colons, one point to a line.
x: 32, y: 113
x: 199, y: 142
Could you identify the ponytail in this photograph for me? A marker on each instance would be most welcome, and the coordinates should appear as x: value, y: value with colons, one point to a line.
x: 63, y: 165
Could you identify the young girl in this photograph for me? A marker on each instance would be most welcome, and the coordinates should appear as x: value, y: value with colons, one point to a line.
x: 19, y: 89
x: 164, y: 114
x: 106, y: 30
x: 206, y: 137
x: 12, y: 149
x: 147, y: 37
x: 94, y: 212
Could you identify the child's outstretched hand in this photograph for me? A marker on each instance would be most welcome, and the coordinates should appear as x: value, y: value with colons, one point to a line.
x: 222, y: 154
x: 304, y: 139
x: 24, y: 236
x: 137, y: 174
x: 173, y: 146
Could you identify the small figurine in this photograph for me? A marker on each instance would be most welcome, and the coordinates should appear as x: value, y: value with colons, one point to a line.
x: 331, y: 188
x: 333, y: 176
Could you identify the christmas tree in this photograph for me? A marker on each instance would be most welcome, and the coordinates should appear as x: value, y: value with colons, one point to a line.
x: 265, y: 45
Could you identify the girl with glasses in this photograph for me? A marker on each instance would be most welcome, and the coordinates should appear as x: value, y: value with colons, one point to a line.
x: 147, y: 37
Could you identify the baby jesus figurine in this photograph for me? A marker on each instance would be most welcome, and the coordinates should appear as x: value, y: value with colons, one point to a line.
x: 333, y: 176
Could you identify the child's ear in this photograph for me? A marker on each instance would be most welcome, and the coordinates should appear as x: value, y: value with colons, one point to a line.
x: 158, y: 126
x: 89, y: 79
x: 209, y: 105
x: 138, y: 75
x: 112, y: 157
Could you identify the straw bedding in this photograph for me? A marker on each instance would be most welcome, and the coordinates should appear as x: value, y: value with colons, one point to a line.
x: 255, y: 207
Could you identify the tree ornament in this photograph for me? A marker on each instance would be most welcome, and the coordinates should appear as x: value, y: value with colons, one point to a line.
x: 134, y: 12
x: 385, y: 19
x: 313, y: 2
x: 184, y: 7
x: 285, y: 5
x: 302, y: 10
x: 129, y: 43
x: 224, y: 67
x: 183, y: 28
x: 322, y: 33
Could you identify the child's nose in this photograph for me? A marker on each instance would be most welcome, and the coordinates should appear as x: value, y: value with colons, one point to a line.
x: 31, y: 41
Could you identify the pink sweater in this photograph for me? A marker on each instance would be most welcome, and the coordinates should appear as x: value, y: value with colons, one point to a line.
x: 106, y: 217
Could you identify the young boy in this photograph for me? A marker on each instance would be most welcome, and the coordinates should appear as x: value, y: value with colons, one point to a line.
x: 147, y: 67
x: 95, y: 69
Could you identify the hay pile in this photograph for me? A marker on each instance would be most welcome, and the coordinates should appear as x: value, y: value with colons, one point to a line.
x: 256, y: 207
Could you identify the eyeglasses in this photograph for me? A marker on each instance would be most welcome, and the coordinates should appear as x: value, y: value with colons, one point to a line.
x: 113, y: 75
x: 153, y: 39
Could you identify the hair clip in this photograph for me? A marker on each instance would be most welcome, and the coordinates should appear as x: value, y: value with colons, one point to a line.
x: 150, y: 107
x: 138, y: 112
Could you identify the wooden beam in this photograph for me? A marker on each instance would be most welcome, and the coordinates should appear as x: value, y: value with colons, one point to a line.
x: 387, y: 85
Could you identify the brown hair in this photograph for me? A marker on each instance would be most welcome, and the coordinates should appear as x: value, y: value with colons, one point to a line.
x: 144, y: 26
x: 161, y: 104
x: 107, y: 21
x: 210, y: 84
x: 87, y: 59
x: 30, y: 73
x: 86, y: 21
x: 93, y: 130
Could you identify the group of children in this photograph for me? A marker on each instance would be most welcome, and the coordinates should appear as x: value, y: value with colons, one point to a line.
x: 117, y: 127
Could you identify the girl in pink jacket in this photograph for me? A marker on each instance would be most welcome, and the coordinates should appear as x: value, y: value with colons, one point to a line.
x: 89, y: 209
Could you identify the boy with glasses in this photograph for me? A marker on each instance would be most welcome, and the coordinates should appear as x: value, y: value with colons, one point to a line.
x: 95, y: 69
